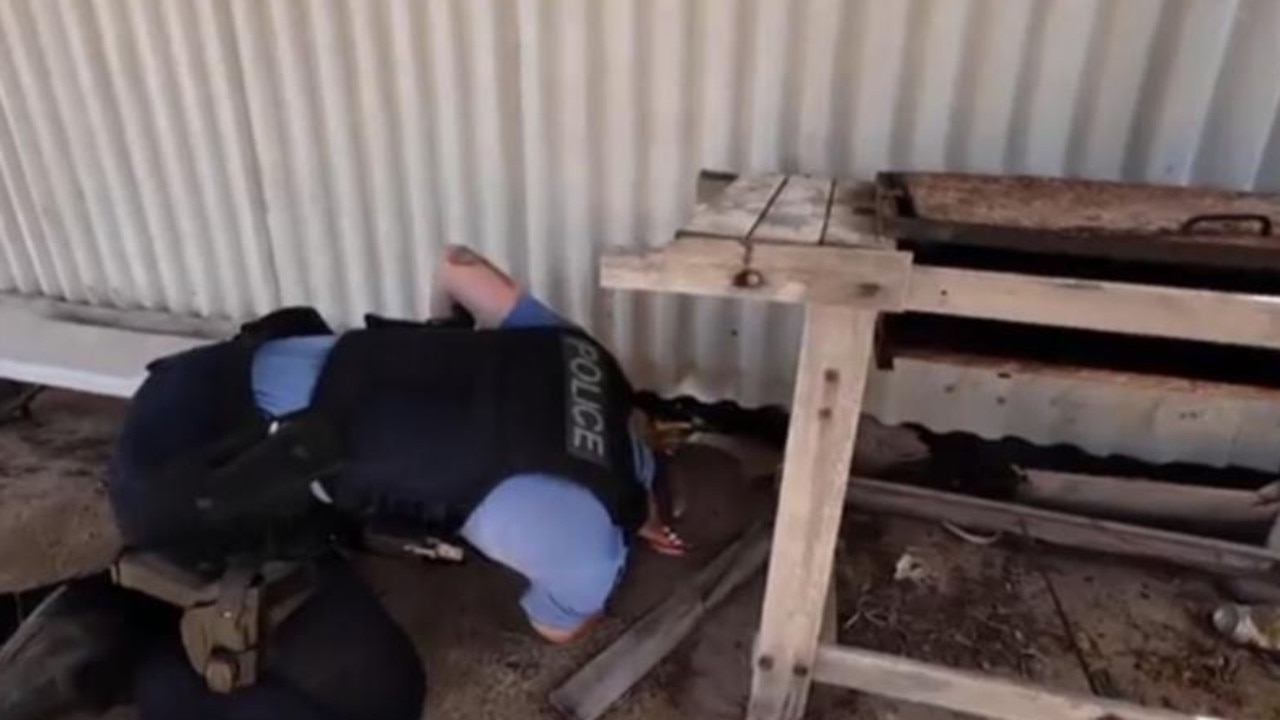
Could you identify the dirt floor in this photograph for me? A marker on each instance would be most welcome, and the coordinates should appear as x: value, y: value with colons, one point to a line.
x: 1076, y: 622
x: 54, y: 521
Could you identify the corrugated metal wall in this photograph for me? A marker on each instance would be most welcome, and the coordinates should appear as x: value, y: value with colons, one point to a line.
x: 220, y: 157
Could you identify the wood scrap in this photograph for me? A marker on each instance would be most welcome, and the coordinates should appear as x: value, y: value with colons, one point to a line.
x: 969, y: 692
x: 1148, y: 501
x: 1079, y: 491
x: 1255, y: 590
x: 1217, y: 556
x: 1145, y: 310
x: 607, y: 677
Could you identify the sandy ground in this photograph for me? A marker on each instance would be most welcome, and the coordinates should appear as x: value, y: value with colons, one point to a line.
x: 54, y: 521
x: 1071, y: 621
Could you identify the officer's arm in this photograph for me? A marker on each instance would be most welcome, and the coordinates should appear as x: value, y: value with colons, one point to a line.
x: 476, y: 284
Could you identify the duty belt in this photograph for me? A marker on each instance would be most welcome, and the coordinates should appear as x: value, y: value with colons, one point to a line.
x: 225, y: 621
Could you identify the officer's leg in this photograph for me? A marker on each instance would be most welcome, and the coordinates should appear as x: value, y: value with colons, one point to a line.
x: 168, y: 688
x: 339, y: 657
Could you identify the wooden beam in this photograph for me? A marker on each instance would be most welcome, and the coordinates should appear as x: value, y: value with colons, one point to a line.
x: 1218, y: 556
x: 835, y: 353
x: 735, y: 212
x: 798, y: 214
x: 1206, y: 315
x: 1146, y: 501
x: 970, y: 692
x: 604, y: 680
x: 783, y: 273
x: 149, y: 322
x: 105, y: 361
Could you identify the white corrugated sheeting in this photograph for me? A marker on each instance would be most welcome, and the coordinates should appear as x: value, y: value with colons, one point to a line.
x: 221, y: 157
x: 1159, y: 422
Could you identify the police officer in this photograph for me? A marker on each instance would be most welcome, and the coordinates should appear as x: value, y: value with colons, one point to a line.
x: 517, y: 436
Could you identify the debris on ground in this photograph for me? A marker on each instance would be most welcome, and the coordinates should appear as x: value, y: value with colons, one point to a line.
x: 1252, y: 625
x: 977, y: 621
x: 16, y: 399
x: 1144, y: 634
x: 1204, y: 669
x: 971, y: 537
x: 55, y: 520
x: 913, y: 569
x: 1073, y: 621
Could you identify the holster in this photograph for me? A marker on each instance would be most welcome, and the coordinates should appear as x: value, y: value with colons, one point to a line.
x: 226, y: 621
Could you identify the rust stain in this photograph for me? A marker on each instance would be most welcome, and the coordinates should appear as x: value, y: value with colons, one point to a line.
x: 1080, y: 206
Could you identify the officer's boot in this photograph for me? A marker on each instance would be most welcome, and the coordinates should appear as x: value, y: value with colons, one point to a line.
x: 75, y: 653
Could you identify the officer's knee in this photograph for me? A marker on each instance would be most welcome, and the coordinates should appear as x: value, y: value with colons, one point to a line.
x: 344, y: 651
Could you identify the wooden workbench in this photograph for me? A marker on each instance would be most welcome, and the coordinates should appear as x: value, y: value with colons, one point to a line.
x: 811, y: 241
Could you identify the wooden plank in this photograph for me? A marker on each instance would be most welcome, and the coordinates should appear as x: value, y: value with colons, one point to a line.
x: 604, y: 680
x: 835, y: 353
x: 151, y: 322
x: 852, y: 218
x: 1033, y: 368
x: 1218, y: 556
x: 1148, y: 502
x: 101, y: 360
x: 1206, y: 315
x: 735, y: 212
x: 782, y: 272
x: 969, y: 692
x: 799, y: 214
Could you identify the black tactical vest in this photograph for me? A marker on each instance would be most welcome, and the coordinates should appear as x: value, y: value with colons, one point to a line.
x: 188, y: 425
x: 435, y: 418
x: 408, y: 422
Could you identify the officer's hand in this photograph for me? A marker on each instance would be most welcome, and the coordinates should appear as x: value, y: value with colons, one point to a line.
x: 663, y: 540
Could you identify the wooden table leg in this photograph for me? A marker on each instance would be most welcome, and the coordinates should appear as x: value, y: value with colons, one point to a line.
x: 834, y: 356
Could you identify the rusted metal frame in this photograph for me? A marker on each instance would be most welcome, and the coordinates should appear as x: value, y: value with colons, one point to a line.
x: 1238, y: 252
x: 898, y: 217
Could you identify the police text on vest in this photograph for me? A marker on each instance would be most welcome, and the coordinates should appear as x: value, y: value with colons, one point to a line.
x: 585, y: 401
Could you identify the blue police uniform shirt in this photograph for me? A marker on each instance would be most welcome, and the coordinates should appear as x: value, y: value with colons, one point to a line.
x: 549, y: 529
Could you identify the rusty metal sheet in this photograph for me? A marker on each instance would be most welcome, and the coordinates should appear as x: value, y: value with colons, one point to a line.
x: 1190, y: 227
x: 1076, y: 206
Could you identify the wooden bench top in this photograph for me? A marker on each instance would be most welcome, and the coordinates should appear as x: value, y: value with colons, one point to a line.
x: 786, y: 208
